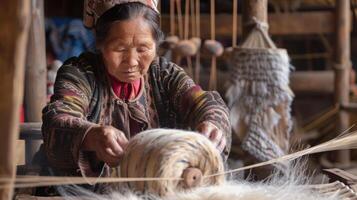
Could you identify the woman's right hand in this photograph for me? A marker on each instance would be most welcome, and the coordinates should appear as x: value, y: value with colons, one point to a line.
x: 108, y: 142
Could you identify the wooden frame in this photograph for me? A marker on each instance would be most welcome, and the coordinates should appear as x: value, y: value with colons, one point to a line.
x: 280, y: 24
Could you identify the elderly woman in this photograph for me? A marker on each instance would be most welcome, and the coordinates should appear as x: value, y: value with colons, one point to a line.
x: 103, y: 99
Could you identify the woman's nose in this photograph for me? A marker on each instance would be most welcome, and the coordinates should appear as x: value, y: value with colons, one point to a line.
x: 132, y: 58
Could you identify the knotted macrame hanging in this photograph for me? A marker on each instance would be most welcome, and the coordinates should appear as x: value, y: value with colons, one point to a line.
x: 259, y: 96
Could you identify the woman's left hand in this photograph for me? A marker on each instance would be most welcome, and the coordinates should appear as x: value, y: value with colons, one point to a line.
x: 214, y: 134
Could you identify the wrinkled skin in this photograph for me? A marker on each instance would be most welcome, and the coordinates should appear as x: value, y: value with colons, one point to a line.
x: 127, y: 52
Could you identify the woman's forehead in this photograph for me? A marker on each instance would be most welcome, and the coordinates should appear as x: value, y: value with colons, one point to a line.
x: 136, y: 29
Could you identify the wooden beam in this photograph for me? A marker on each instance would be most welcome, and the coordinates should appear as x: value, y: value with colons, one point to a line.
x: 14, y: 19
x: 312, y: 82
x: 253, y: 9
x: 301, y: 23
x: 30, y: 131
x: 35, y: 74
x: 342, y: 69
x: 301, y: 82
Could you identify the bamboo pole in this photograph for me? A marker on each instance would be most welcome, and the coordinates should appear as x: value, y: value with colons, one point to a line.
x: 13, y: 33
x: 35, y: 73
x: 253, y: 9
x: 342, y: 68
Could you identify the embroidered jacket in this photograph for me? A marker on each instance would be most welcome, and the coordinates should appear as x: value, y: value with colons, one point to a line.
x: 83, y: 97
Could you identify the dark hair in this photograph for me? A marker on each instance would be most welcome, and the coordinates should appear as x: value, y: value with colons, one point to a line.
x: 127, y: 11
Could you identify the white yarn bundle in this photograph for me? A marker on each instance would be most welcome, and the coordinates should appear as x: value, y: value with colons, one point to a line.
x: 155, y: 164
x: 167, y: 153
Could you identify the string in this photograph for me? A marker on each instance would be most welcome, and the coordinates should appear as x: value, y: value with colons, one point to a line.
x: 345, y: 140
x: 172, y: 17
x: 179, y: 16
x: 193, y: 17
x: 213, y: 25
x: 198, y: 32
x: 198, y: 18
x: 213, y: 82
x: 187, y: 17
x: 235, y: 13
x: 213, y: 75
x: 189, y: 65
x: 159, y: 9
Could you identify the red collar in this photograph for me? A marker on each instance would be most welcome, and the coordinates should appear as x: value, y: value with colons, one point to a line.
x: 125, y: 91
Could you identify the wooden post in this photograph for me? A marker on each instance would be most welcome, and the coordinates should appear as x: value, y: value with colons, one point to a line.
x: 35, y: 74
x: 342, y: 68
x: 253, y: 9
x: 14, y: 19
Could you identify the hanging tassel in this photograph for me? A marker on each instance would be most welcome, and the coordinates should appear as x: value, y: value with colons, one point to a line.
x: 259, y: 96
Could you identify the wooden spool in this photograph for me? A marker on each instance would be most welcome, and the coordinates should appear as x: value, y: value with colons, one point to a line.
x: 214, y: 47
x: 192, y: 177
x: 171, y: 153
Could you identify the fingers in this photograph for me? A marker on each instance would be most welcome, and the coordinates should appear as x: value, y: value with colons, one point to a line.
x: 213, y: 134
x: 205, y: 129
x: 216, y: 136
x: 107, y: 156
x: 110, y: 141
x: 111, y: 146
x: 114, y: 147
x: 222, y: 144
x: 122, y: 140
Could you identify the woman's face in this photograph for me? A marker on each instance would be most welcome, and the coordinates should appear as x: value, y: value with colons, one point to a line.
x: 129, y: 49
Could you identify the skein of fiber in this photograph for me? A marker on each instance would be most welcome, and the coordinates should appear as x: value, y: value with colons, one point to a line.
x: 186, y: 48
x: 197, y: 41
x: 214, y: 47
x: 168, y: 153
x: 171, y: 41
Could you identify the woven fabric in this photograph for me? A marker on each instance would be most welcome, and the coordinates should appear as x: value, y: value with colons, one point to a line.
x: 93, y: 9
x: 259, y: 99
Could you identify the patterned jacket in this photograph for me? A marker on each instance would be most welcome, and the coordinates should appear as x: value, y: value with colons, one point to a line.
x: 83, y: 98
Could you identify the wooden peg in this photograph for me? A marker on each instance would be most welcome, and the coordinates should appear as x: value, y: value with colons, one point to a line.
x: 192, y: 177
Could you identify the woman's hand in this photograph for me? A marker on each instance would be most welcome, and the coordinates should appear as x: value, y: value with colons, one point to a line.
x: 108, y: 142
x: 211, y: 131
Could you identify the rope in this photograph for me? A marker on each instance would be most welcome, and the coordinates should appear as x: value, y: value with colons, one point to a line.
x: 213, y: 23
x: 172, y: 17
x: 342, y: 66
x: 322, y: 117
x: 187, y: 25
x: 189, y: 66
x: 193, y: 17
x: 159, y: 9
x: 198, y: 23
x: 235, y: 13
x: 263, y: 28
x: 213, y: 75
x: 179, y: 16
x: 198, y: 55
x: 187, y: 17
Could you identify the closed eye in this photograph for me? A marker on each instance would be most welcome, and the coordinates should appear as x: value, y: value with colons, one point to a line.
x: 143, y: 49
x: 119, y: 49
